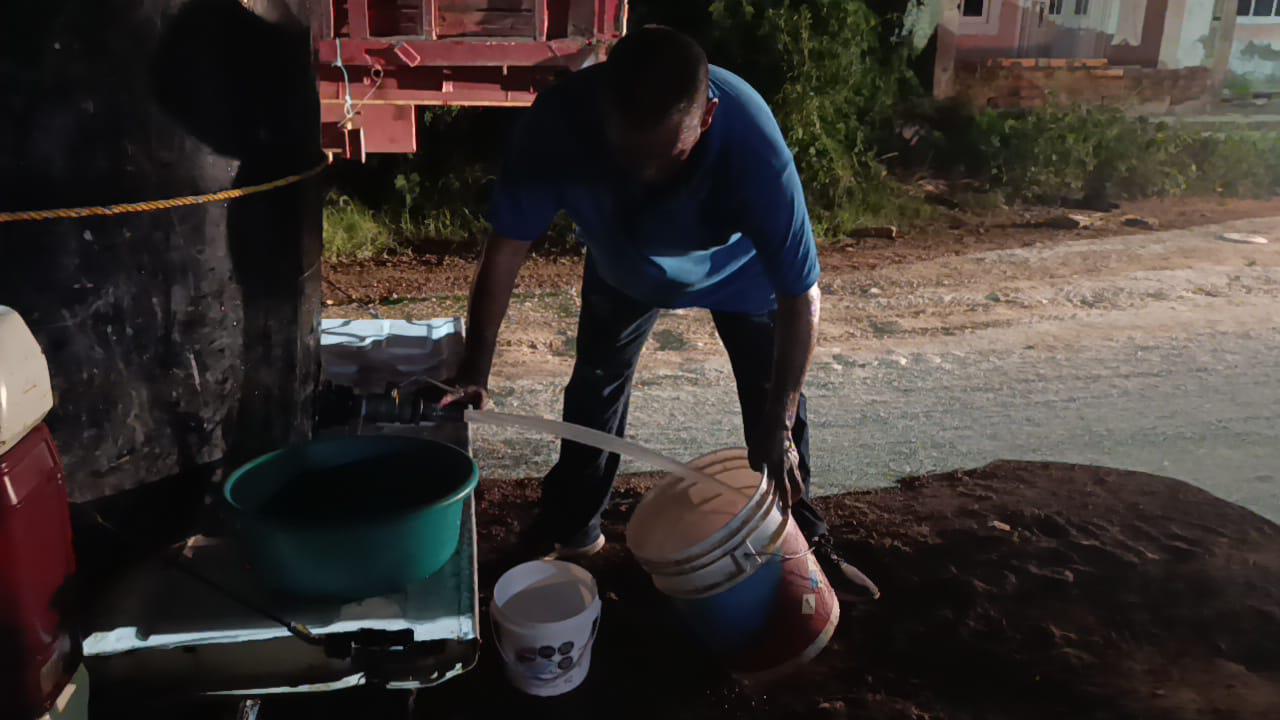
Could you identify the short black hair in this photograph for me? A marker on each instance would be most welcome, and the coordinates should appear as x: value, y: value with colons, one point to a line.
x: 655, y: 74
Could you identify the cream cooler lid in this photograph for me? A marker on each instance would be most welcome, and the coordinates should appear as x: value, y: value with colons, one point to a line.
x: 25, y: 394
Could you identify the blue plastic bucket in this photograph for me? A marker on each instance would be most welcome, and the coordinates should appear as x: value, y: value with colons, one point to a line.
x: 735, y: 565
x: 730, y: 621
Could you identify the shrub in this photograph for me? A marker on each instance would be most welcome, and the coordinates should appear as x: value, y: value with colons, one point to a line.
x: 353, y: 232
x: 1099, y: 152
x: 833, y: 83
x: 1236, y: 164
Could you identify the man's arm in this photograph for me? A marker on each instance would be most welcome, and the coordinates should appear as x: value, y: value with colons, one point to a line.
x: 795, y: 337
x: 777, y: 221
x: 795, y: 334
x: 490, y: 296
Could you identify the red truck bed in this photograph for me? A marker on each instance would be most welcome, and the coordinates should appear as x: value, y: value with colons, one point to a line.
x: 377, y: 60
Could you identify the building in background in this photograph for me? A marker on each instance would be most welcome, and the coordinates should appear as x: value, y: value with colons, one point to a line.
x: 1147, y: 56
x: 1255, y: 53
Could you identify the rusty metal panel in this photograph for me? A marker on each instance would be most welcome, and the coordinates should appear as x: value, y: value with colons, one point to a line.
x: 358, y: 17
x: 485, y: 23
x: 405, y: 53
x: 388, y: 129
x: 569, y: 53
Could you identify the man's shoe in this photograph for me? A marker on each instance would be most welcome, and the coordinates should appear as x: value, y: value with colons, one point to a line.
x: 537, y: 541
x: 845, y: 579
x: 575, y: 551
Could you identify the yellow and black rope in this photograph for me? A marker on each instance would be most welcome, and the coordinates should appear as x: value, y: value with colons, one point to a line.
x: 153, y: 205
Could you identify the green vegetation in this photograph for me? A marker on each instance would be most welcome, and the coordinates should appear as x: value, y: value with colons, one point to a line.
x: 845, y: 87
x: 834, y: 81
x: 1100, y: 153
x: 1239, y: 87
x: 353, y: 232
x: 433, y: 201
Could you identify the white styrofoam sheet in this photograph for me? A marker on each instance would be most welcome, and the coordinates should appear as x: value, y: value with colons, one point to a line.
x: 368, y: 354
x: 157, y: 606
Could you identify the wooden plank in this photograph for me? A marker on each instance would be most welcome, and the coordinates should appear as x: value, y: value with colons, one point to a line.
x: 557, y: 14
x: 358, y: 18
x: 387, y: 129
x: 501, y: 52
x: 486, y: 24
x: 429, y: 19
x: 395, y: 18
x: 584, y: 17
x: 328, y: 24
x: 450, y: 6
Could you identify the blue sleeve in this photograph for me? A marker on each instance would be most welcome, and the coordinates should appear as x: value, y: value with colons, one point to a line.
x: 525, y: 200
x: 777, y: 221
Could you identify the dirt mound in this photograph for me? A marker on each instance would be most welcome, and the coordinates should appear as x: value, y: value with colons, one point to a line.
x: 1034, y: 590
x: 1018, y: 590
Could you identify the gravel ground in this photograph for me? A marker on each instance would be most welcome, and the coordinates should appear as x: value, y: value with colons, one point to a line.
x: 1202, y: 409
x: 1167, y: 366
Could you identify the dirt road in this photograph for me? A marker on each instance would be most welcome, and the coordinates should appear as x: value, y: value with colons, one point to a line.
x: 1152, y: 351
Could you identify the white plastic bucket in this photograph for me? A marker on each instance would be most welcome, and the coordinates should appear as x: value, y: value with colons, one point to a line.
x: 545, y: 615
x: 700, y: 538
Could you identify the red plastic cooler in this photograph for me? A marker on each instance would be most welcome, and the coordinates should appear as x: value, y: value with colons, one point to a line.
x: 37, y: 649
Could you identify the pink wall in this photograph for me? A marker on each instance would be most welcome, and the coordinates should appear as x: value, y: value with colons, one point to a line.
x: 1264, y: 37
x: 1148, y: 53
x: 1261, y: 33
x: 1002, y: 44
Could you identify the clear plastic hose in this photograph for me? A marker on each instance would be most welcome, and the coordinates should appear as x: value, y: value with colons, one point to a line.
x: 594, y: 438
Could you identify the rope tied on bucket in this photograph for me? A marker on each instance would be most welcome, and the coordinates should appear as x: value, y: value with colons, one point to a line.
x: 154, y: 205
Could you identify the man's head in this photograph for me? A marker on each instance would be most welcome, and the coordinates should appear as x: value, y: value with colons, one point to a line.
x: 656, y: 104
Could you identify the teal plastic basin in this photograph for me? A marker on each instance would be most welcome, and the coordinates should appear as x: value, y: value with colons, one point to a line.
x: 351, y: 517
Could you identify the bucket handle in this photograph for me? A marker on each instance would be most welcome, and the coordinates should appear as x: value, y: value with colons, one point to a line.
x: 777, y: 542
x: 781, y: 556
x: 576, y: 655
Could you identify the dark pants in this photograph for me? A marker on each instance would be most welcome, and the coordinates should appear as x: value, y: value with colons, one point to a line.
x: 612, y: 330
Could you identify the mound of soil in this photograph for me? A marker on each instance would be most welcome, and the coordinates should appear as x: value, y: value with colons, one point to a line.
x: 1019, y: 590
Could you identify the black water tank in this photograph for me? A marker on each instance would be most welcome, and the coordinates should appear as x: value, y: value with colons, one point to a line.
x: 183, y: 340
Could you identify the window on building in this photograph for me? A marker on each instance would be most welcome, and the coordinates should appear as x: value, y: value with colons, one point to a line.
x: 1082, y: 7
x: 1055, y: 6
x: 1258, y: 8
x: 974, y: 8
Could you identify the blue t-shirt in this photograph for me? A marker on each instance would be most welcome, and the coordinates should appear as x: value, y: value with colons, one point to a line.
x: 730, y: 233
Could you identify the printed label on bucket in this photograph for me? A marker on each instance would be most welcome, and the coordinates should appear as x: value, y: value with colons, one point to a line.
x: 547, y: 669
x: 545, y: 616
x: 548, y: 662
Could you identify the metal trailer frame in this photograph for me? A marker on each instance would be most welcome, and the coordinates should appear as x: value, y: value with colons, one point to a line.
x: 378, y: 61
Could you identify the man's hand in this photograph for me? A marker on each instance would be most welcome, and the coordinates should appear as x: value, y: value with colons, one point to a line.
x: 468, y: 395
x: 470, y: 387
x: 775, y: 453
